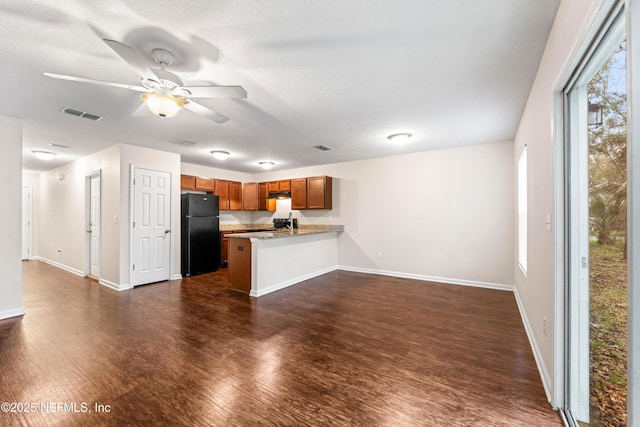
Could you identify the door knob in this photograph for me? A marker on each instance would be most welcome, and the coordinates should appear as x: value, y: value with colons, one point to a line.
x: 167, y: 231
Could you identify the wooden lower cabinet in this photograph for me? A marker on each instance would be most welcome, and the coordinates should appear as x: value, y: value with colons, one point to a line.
x: 224, y: 248
x: 240, y: 264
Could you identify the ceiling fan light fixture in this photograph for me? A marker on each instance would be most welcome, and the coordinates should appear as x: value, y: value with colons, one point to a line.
x: 163, y: 105
x: 220, y: 155
x: 266, y: 165
x: 44, y: 155
x: 399, y: 138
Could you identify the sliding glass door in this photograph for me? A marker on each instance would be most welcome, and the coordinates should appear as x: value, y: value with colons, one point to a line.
x: 596, y: 233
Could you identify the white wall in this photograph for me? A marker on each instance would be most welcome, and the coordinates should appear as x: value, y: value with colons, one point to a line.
x: 278, y: 263
x: 536, y: 290
x: 436, y: 214
x: 62, y: 222
x: 10, y: 218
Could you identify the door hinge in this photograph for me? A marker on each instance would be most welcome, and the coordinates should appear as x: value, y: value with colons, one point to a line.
x: 134, y: 224
x: 134, y: 267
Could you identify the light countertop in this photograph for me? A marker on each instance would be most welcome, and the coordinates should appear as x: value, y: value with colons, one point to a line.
x: 300, y: 231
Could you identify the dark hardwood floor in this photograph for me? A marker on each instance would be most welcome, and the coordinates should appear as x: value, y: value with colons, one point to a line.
x: 342, y: 349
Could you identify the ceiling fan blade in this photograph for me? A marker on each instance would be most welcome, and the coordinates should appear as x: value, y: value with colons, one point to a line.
x: 134, y: 60
x: 142, y: 111
x: 216, y: 91
x: 96, y: 82
x: 204, y: 111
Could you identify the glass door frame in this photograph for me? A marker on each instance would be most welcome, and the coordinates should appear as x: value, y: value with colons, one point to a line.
x: 609, y: 24
x: 633, y: 210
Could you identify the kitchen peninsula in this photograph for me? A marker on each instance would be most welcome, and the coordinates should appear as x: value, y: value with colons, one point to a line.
x: 266, y: 261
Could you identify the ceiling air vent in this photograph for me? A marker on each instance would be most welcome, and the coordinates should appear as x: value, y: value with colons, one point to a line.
x: 323, y: 147
x: 91, y: 116
x: 59, y: 145
x: 185, y: 143
x: 81, y: 114
x: 72, y: 112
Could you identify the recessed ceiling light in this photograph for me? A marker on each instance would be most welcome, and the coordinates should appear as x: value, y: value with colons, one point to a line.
x: 399, y: 138
x: 220, y: 155
x: 44, y: 155
x: 266, y: 165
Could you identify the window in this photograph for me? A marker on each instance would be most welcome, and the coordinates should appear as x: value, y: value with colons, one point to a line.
x: 522, y: 210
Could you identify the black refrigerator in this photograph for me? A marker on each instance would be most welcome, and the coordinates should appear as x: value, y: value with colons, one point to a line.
x: 200, y: 231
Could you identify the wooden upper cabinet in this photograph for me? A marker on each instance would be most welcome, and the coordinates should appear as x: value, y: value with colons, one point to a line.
x: 306, y: 193
x: 285, y: 185
x: 299, y: 193
x: 250, y: 196
x: 279, y: 186
x: 187, y: 182
x: 263, y: 192
x: 235, y: 196
x: 221, y: 189
x: 319, y: 192
x: 204, y: 184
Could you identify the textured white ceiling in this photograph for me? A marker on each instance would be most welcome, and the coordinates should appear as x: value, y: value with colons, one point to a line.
x: 344, y: 73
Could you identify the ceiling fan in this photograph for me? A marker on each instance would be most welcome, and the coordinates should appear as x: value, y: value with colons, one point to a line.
x: 163, y: 92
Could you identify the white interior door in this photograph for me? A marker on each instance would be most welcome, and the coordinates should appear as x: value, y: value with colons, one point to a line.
x: 151, y: 226
x: 94, y: 225
x: 26, y: 222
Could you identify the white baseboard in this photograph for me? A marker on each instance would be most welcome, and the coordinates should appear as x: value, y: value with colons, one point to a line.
x: 14, y: 312
x: 59, y: 265
x: 537, y: 354
x: 115, y: 286
x: 462, y: 282
x: 176, y: 277
x: 101, y: 281
x: 291, y: 282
